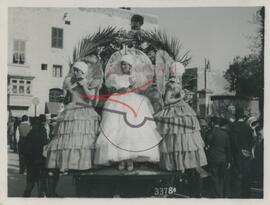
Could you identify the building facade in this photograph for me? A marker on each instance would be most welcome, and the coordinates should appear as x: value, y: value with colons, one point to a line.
x: 205, y: 82
x: 40, y: 43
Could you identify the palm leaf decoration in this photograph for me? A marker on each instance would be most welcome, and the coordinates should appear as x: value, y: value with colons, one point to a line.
x: 92, y: 43
x: 161, y: 40
x: 102, y: 40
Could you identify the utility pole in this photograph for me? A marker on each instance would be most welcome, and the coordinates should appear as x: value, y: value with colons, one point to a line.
x: 35, y: 101
x: 205, y: 74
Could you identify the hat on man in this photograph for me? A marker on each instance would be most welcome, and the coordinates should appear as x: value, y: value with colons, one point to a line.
x: 177, y: 69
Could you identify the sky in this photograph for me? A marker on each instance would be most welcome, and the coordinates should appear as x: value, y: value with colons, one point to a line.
x: 218, y: 34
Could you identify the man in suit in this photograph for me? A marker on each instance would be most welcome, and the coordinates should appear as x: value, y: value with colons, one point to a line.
x: 242, y: 140
x: 218, y: 156
x: 21, y: 135
x: 35, y: 162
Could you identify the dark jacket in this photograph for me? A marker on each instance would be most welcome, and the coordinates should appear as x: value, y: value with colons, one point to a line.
x: 242, y: 138
x: 36, y: 139
x: 220, y: 148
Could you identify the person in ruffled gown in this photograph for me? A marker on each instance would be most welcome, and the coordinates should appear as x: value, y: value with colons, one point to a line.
x: 72, y: 145
x: 182, y: 146
x: 122, y: 138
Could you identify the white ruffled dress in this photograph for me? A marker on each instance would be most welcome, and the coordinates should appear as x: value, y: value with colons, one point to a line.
x: 127, y: 129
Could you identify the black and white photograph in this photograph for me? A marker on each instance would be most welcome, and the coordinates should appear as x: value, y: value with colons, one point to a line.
x: 135, y: 102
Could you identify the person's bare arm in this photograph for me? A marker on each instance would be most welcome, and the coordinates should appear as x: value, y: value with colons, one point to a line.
x: 169, y: 98
x: 89, y: 93
x: 67, y: 86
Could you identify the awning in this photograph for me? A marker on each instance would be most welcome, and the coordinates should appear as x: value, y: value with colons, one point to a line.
x: 205, y: 90
x: 53, y: 107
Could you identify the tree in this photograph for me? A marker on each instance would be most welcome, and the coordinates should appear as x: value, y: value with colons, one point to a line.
x: 246, y: 74
x: 258, y: 40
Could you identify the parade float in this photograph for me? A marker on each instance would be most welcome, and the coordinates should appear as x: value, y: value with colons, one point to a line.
x: 153, y: 51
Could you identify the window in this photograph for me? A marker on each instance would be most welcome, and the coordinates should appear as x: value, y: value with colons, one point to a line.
x: 20, y: 86
x: 28, y: 87
x: 44, y: 66
x: 19, y: 52
x: 14, y: 89
x: 57, y: 71
x: 57, y: 37
x: 55, y: 95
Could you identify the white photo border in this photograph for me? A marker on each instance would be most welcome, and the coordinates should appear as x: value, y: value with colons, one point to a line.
x: 4, y: 4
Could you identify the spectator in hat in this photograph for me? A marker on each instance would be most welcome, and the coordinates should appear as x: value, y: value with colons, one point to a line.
x: 242, y: 140
x: 219, y: 156
x: 225, y: 125
x: 204, y: 129
x: 21, y: 135
x: 35, y: 162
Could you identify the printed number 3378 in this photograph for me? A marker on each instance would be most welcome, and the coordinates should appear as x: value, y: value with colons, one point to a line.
x: 161, y: 191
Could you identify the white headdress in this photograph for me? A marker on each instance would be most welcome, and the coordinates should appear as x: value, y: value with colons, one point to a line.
x: 81, y: 66
x: 177, y: 69
x: 128, y: 59
x: 142, y: 69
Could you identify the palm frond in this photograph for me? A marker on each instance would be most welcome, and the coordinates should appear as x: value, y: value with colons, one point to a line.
x: 70, y: 62
x: 161, y: 40
x: 91, y: 43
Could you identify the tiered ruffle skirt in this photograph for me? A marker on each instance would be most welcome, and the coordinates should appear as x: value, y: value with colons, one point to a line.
x: 72, y: 146
x: 182, y: 146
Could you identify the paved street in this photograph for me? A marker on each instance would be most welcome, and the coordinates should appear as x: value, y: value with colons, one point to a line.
x: 16, y: 181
